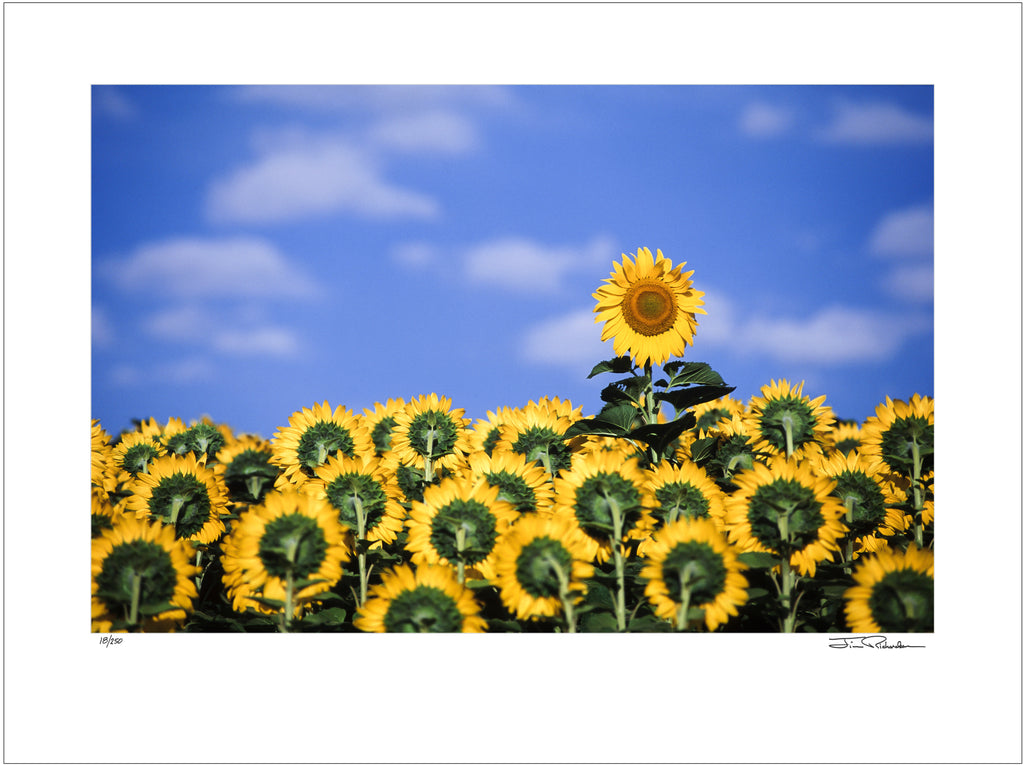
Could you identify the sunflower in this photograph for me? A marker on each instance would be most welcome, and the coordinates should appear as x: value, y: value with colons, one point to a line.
x: 132, y: 455
x: 872, y: 505
x: 523, y: 484
x: 312, y: 436
x: 142, y: 577
x: 846, y: 436
x: 895, y: 592
x: 604, y: 493
x: 203, y: 440
x: 427, y: 599
x: 690, y: 564
x: 648, y: 308
x: 430, y: 434
x: 381, y: 421
x: 901, y: 434
x: 100, y: 450
x: 485, y: 433
x: 710, y: 413
x: 541, y: 565
x: 785, y: 422
x: 364, y: 495
x: 684, y: 491
x: 536, y: 432
x: 734, y: 447
x: 786, y: 509
x: 459, y: 522
x: 183, y: 493
x: 289, y: 548
x: 247, y: 469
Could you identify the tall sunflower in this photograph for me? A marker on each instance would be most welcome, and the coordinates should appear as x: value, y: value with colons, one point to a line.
x: 648, y: 308
x: 183, y: 493
x: 427, y: 599
x: 894, y: 592
x: 689, y: 564
x: 142, y: 577
x: 541, y: 566
x: 283, y: 553
x: 458, y: 523
x: 312, y: 436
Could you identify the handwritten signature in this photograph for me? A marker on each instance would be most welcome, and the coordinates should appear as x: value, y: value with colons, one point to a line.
x: 867, y: 641
x: 111, y: 640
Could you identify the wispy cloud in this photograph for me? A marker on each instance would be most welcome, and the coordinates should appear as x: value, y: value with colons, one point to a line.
x: 102, y: 328
x: 434, y: 132
x: 377, y: 98
x: 415, y: 255
x: 571, y: 340
x: 524, y: 265
x: 197, y: 267
x: 877, y: 123
x: 908, y: 232
x: 228, y: 329
x: 185, y: 371
x: 322, y: 177
x: 761, y: 120
x: 111, y: 103
x: 832, y: 336
x: 911, y: 283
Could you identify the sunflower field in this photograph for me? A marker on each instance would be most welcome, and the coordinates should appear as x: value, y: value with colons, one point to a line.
x: 674, y: 507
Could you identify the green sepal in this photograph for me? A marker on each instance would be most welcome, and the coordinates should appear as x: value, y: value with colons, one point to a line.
x: 622, y: 364
x: 681, y: 399
x: 760, y: 559
x: 477, y: 583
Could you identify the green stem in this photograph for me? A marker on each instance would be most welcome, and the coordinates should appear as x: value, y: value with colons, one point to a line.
x: 360, y: 543
x: 286, y: 620
x: 620, y: 567
x: 176, y: 504
x: 850, y: 502
x: 787, y: 424
x: 460, y: 544
x: 428, y: 459
x: 650, y: 408
x: 563, y: 594
x: 133, y: 615
x: 918, y: 500
x: 682, y: 613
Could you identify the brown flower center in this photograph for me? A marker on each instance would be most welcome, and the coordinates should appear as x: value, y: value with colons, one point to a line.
x: 649, y: 307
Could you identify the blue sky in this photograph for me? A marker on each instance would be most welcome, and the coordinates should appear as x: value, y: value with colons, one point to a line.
x: 257, y: 249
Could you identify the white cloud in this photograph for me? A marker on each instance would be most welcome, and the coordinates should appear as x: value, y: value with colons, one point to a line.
x: 416, y: 255
x: 916, y: 283
x: 377, y: 98
x: 436, y: 131
x: 910, y: 232
x: 102, y: 328
x: 571, y: 340
x: 191, y: 370
x: 835, y: 335
x: 225, y: 330
x: 266, y: 341
x: 110, y: 102
x: 764, y: 120
x: 196, y: 268
x: 876, y: 124
x: 324, y: 177
x: 520, y: 264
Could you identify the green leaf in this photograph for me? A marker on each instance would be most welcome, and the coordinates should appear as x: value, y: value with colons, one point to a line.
x: 682, y: 373
x: 648, y: 624
x: 269, y: 602
x: 502, y: 625
x: 621, y: 364
x: 152, y: 609
x: 303, y: 583
x: 681, y: 399
x: 599, y: 622
x: 326, y: 616
x: 760, y: 559
x: 702, y: 449
x: 658, y: 436
x: 600, y: 596
x: 614, y: 420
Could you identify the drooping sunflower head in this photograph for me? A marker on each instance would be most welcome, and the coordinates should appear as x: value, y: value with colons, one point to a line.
x: 536, y: 432
x: 292, y: 535
x: 846, y: 436
x: 312, y: 436
x: 604, y: 493
x: 203, y: 440
x: 381, y: 421
x: 784, y: 422
x: 903, y: 433
x: 894, y: 592
x: 787, y: 509
x: 485, y: 433
x: 459, y: 522
x: 247, y: 468
x: 710, y: 413
x: 522, y: 483
x: 427, y: 599
x: 132, y: 455
x: 541, y: 562
x: 648, y: 308
x: 182, y: 493
x: 142, y: 577
x: 690, y: 564
x: 428, y: 431
x: 684, y: 491
x: 365, y: 497
x: 871, y: 503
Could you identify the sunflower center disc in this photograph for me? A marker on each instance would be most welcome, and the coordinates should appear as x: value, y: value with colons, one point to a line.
x: 649, y: 308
